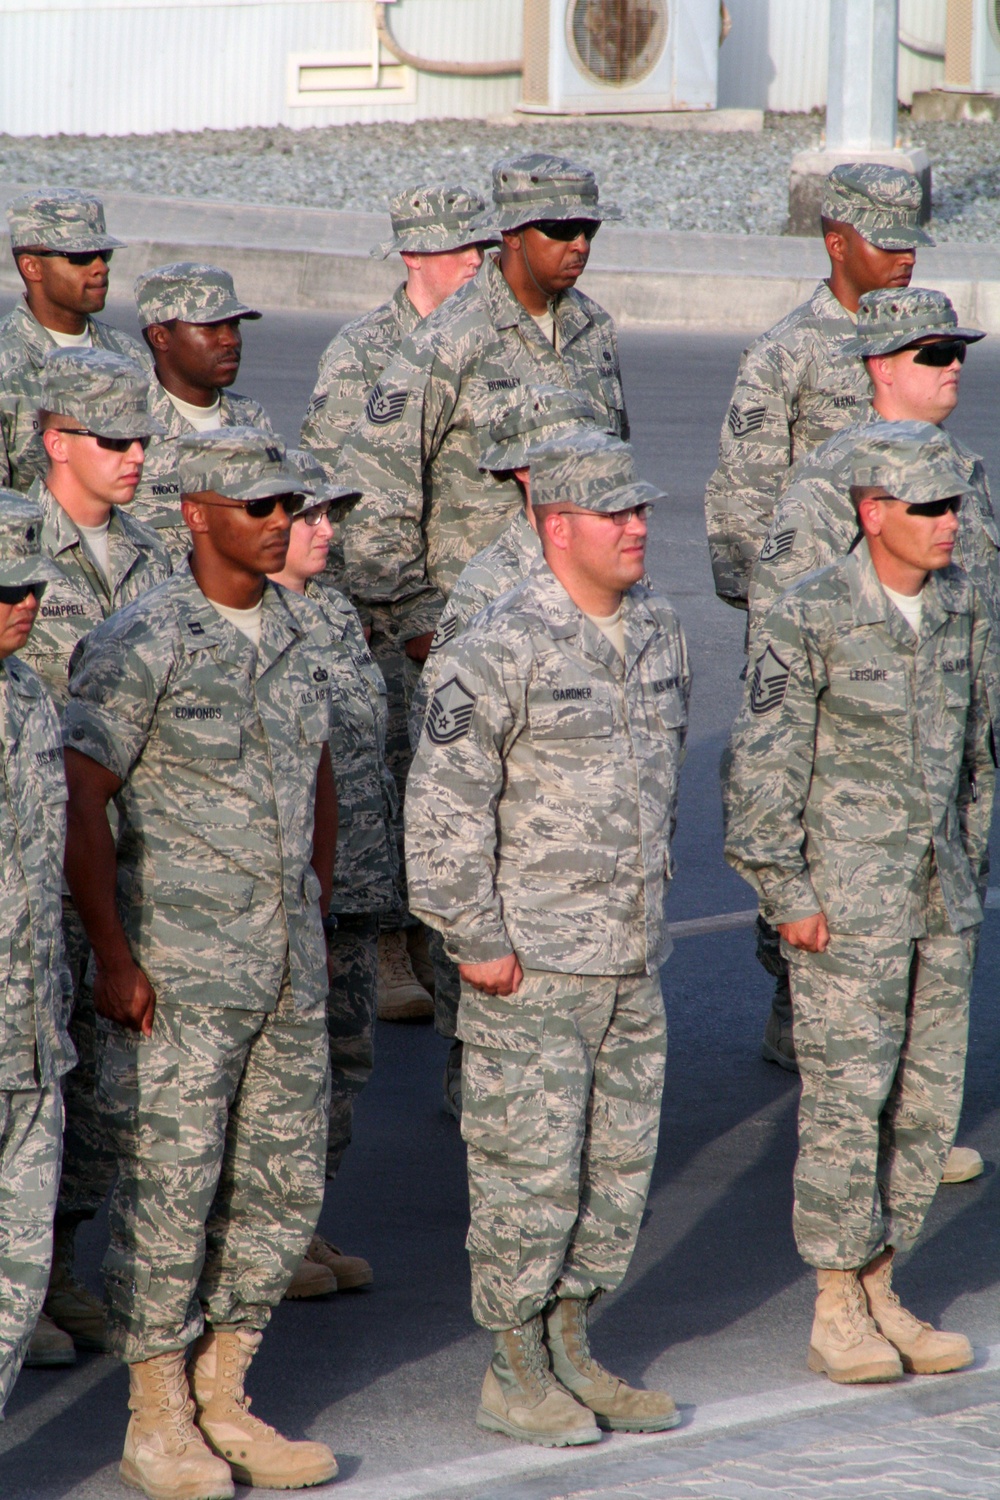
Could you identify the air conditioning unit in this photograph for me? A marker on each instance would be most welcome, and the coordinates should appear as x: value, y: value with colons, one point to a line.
x: 619, y: 56
x: 972, y: 46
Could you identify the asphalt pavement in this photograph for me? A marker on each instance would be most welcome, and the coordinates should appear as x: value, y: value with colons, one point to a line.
x: 717, y: 1305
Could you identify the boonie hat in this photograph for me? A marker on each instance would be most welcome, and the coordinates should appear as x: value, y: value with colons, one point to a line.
x: 912, y: 461
x: 881, y: 203
x: 891, y: 319
x: 594, y: 472
x: 540, y: 186
x: 542, y: 413
x: 429, y: 219
x: 21, y: 557
x: 190, y: 292
x: 312, y: 471
x: 66, y: 221
x: 106, y: 392
x: 241, y: 463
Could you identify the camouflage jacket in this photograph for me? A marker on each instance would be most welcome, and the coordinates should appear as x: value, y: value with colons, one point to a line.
x: 157, y: 501
x: 24, y: 343
x: 426, y: 506
x: 36, y: 994
x: 815, y: 524
x: 367, y: 858
x: 80, y: 600
x: 498, y: 568
x: 859, y: 749
x: 794, y: 389
x: 217, y: 745
x: 542, y: 798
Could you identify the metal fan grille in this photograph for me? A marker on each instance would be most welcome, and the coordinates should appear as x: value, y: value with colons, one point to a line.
x: 617, y: 41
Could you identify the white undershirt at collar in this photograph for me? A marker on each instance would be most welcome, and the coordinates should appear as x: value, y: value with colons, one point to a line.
x: 96, y: 538
x: 248, y: 621
x: 201, y: 418
x: 612, y: 626
x: 70, y: 340
x: 910, y: 606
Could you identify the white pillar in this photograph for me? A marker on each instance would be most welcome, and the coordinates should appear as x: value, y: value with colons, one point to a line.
x: 861, y: 82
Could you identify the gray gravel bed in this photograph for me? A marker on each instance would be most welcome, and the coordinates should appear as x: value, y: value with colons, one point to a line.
x: 735, y: 184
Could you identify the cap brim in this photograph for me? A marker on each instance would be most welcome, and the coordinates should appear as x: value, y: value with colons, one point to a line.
x: 627, y: 496
x: 92, y: 242
x: 227, y: 314
x: 124, y: 427
x: 332, y: 495
x: 18, y: 571
x: 521, y: 216
x: 471, y: 234
x: 896, y: 239
x: 869, y: 348
x: 263, y: 489
x: 948, y: 492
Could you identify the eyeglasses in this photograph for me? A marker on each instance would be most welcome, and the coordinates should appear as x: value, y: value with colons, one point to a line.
x: 941, y: 353
x: 937, y: 507
x: 112, y: 444
x: 75, y: 257
x: 16, y: 593
x: 619, y: 517
x: 566, y: 229
x: 266, y: 506
x: 314, y: 515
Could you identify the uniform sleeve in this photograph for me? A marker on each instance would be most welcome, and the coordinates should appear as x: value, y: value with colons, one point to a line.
x: 452, y: 793
x: 113, y: 698
x: 755, y: 454
x: 406, y: 417
x: 767, y: 770
x: 978, y: 778
x: 464, y: 603
x: 798, y: 541
x: 336, y: 406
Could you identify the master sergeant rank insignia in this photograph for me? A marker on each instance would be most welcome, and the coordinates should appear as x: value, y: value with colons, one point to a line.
x: 450, y: 713
x: 770, y: 679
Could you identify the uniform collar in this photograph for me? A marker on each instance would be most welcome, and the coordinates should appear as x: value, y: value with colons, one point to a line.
x: 36, y: 339
x: 570, y: 315
x: 825, y: 305
x: 945, y: 593
x: 60, y: 534
x: 565, y: 620
x: 201, y: 625
x: 407, y: 316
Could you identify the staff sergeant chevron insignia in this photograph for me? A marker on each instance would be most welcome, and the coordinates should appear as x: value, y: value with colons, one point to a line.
x: 450, y: 713
x: 446, y: 631
x: 777, y: 546
x: 750, y: 419
x: 770, y: 679
x: 381, y: 408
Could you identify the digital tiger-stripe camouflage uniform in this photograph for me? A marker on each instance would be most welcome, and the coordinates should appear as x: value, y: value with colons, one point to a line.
x: 860, y: 787
x: 797, y: 383
x: 107, y: 394
x: 63, y: 223
x: 185, y: 292
x: 543, y: 800
x: 35, y: 1049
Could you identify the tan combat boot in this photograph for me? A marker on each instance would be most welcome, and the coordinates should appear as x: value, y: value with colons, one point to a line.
x: 962, y: 1164
x: 521, y: 1398
x: 349, y: 1271
x: 310, y: 1280
x: 68, y: 1302
x: 49, y: 1347
x: 255, y: 1452
x: 923, y: 1349
x: 401, y: 996
x: 845, y: 1344
x: 617, y: 1407
x: 165, y: 1455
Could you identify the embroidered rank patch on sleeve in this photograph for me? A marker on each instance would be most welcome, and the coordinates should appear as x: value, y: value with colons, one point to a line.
x: 317, y: 403
x: 750, y: 419
x: 446, y: 631
x: 777, y: 546
x: 450, y: 713
x: 382, y: 407
x: 770, y: 680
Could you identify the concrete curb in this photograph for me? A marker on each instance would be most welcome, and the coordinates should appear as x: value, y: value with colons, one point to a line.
x: 310, y: 259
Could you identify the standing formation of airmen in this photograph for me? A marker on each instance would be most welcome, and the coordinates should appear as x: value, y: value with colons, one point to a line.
x: 414, y: 673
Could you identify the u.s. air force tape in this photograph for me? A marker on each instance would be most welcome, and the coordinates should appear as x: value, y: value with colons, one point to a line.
x: 770, y: 680
x: 450, y: 713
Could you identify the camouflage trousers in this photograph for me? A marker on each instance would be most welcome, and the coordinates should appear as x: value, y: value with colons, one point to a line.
x: 221, y: 1122
x: 561, y: 1090
x: 771, y: 960
x: 880, y: 1034
x: 89, y: 1160
x: 447, y: 987
x: 350, y: 1021
x: 31, y: 1123
x: 401, y: 676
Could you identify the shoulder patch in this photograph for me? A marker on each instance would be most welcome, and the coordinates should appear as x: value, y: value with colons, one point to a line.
x: 450, y: 713
x: 382, y: 407
x: 446, y: 631
x: 777, y: 546
x: 317, y: 403
x: 770, y: 680
x: 742, y: 423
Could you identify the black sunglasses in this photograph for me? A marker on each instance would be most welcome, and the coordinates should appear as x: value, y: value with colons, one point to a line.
x: 114, y: 445
x: 75, y: 257
x: 567, y: 229
x: 291, y: 504
x: 16, y: 593
x: 937, y: 507
x: 941, y: 353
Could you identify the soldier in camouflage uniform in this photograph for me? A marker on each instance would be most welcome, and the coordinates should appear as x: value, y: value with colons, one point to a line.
x: 441, y: 232
x: 190, y: 316
x: 542, y: 805
x: 94, y: 421
x: 199, y: 713
x: 798, y: 383
x: 62, y: 251
x: 364, y: 878
x: 35, y: 1049
x: 859, y: 794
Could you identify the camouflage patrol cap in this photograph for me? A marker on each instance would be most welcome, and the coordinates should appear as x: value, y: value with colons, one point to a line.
x: 539, y: 186
x: 893, y: 318
x: 312, y: 471
x: 21, y: 557
x: 543, y: 412
x: 426, y: 220
x: 912, y: 461
x: 66, y: 221
x: 105, y: 392
x: 592, y: 471
x: 240, y: 463
x: 881, y: 203
x: 190, y: 292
